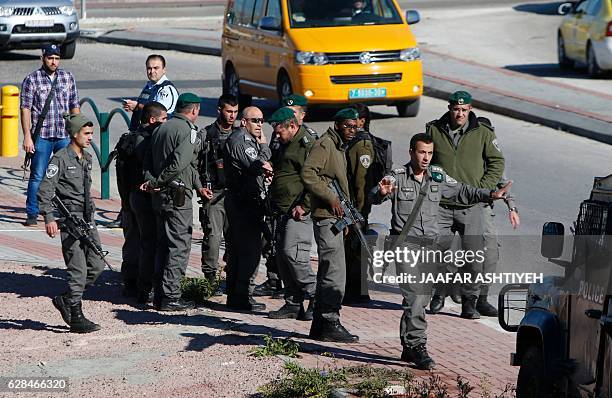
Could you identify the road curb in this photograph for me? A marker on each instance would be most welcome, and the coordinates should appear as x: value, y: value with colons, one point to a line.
x: 156, y: 45
x: 523, y: 110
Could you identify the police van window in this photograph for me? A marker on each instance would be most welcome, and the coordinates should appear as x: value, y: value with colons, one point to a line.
x: 274, y: 9
x: 321, y: 13
x: 594, y: 7
x: 244, y: 12
x: 258, y: 11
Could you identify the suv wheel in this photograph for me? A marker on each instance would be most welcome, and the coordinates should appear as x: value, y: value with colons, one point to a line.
x: 231, y: 85
x: 283, y: 87
x: 408, y: 108
x: 532, y: 379
x: 564, y: 61
x: 67, y: 50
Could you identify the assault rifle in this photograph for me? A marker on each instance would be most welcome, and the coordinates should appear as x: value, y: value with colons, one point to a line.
x: 79, y: 229
x: 351, y: 218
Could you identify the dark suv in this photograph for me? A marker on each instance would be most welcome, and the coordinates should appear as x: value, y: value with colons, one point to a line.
x: 34, y: 23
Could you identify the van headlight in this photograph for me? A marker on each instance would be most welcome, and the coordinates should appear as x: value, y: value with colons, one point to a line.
x: 6, y: 11
x: 310, y: 58
x: 410, y: 54
x: 67, y: 10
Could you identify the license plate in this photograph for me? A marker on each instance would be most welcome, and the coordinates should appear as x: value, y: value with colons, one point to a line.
x: 39, y: 23
x: 378, y: 92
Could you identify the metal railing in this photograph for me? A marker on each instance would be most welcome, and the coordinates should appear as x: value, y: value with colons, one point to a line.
x: 102, y: 152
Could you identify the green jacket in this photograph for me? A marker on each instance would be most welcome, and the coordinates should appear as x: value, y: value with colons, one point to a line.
x: 360, y: 155
x: 287, y: 189
x: 325, y: 163
x: 477, y: 160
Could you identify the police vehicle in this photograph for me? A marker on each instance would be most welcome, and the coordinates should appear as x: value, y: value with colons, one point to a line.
x: 564, y: 339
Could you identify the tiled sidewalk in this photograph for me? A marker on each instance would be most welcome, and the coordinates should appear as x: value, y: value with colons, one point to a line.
x: 476, y: 350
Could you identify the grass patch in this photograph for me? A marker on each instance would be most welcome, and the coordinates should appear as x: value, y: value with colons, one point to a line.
x: 274, y: 346
x: 367, y: 381
x: 198, y: 289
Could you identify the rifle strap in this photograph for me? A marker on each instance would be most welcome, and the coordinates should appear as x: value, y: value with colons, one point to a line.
x: 413, y: 214
x: 87, y: 193
x: 45, y: 110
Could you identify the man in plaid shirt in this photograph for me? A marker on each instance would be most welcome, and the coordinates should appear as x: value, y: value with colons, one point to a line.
x: 52, y: 136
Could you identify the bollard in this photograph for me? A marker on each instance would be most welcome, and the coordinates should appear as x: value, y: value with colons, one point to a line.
x: 9, y: 130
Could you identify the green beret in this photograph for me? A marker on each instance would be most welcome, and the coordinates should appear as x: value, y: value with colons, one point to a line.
x: 74, y: 123
x: 295, y: 99
x: 281, y: 115
x: 187, y: 98
x: 460, y: 98
x: 346, y: 114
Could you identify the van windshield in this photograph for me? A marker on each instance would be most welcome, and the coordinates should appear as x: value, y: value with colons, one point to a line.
x: 321, y: 13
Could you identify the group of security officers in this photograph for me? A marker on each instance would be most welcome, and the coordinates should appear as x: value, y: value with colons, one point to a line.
x: 244, y: 182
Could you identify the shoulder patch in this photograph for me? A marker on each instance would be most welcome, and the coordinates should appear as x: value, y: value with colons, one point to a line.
x: 496, y: 144
x: 399, y: 170
x: 437, y: 177
x: 305, y: 140
x: 450, y: 180
x: 365, y: 160
x: 52, y: 170
x: 193, y: 136
x: 251, y: 152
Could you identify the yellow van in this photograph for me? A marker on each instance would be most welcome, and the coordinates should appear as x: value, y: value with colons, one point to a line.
x: 333, y: 52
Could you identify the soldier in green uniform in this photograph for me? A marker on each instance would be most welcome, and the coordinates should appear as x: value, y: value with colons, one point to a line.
x: 212, y: 174
x: 293, y: 203
x: 171, y: 175
x: 143, y: 217
x: 403, y: 187
x: 326, y: 163
x: 68, y: 177
x: 298, y: 104
x: 359, y: 156
x: 468, y: 150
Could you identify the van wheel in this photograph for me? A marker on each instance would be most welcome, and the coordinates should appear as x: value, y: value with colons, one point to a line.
x: 283, y: 87
x: 592, y: 66
x: 564, y: 61
x: 532, y: 379
x: 231, y: 85
x: 67, y: 50
x: 408, y: 108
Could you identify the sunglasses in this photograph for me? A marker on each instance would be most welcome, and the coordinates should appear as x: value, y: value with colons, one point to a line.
x: 350, y: 126
x: 257, y: 120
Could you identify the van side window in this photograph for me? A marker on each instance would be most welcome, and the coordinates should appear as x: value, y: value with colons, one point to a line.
x: 258, y: 11
x: 386, y: 10
x: 244, y: 12
x: 274, y: 10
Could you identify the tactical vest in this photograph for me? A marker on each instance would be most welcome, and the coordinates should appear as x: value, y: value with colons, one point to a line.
x: 146, y: 95
x: 211, y: 166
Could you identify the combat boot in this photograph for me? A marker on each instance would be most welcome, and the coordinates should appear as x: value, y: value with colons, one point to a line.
x: 78, y: 322
x: 63, y: 306
x: 306, y: 315
x: 265, y: 289
x: 287, y: 311
x: 484, y: 307
x: 419, y: 357
x: 436, y: 304
x: 468, y: 307
x: 212, y: 279
x: 333, y: 331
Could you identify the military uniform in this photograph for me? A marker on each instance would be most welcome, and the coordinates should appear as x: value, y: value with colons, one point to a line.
x: 472, y: 155
x: 423, y: 233
x: 144, y: 220
x: 327, y: 162
x: 360, y: 155
x: 68, y: 177
x: 287, y: 191
x: 212, y: 171
x: 244, y: 159
x: 174, y: 148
